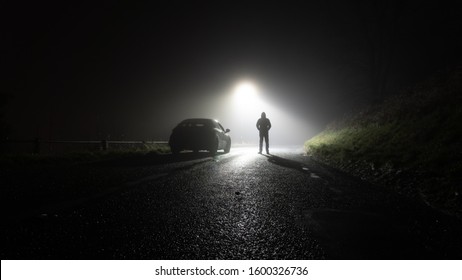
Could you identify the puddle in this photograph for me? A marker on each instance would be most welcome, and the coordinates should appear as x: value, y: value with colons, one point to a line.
x: 315, y: 176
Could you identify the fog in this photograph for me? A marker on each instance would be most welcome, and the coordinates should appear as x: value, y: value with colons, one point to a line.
x: 133, y: 71
x: 240, y: 115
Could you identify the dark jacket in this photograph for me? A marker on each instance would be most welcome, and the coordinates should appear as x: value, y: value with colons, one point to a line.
x: 263, y: 125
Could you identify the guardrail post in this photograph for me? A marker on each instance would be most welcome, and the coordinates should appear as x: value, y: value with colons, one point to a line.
x: 104, y: 145
x: 36, y: 146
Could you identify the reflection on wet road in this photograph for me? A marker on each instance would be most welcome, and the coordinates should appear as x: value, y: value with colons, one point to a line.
x: 241, y: 205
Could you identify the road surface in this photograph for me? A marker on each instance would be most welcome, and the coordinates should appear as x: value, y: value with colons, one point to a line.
x: 240, y: 205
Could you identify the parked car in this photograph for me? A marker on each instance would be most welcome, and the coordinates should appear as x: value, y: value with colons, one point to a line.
x: 200, y: 134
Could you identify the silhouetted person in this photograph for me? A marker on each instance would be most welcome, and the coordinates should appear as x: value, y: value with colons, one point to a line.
x: 263, y: 125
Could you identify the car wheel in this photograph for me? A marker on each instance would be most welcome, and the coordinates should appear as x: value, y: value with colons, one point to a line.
x: 228, y: 147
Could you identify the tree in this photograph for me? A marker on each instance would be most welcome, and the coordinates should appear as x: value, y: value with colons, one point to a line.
x: 385, y: 43
x: 379, y: 20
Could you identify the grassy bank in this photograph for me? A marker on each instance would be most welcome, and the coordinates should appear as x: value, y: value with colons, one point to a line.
x: 411, y: 142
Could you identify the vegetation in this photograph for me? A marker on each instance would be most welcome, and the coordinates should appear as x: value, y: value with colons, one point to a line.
x: 411, y: 142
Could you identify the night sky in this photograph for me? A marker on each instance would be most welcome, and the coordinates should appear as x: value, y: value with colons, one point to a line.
x: 120, y: 70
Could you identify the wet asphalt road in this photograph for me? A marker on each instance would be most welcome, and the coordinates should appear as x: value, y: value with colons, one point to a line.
x: 239, y: 205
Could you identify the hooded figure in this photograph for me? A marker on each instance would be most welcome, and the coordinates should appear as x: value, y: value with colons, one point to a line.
x: 263, y: 125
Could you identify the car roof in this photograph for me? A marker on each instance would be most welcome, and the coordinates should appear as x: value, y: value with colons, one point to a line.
x: 199, y: 120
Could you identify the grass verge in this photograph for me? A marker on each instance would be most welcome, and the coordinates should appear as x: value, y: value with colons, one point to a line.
x: 411, y: 142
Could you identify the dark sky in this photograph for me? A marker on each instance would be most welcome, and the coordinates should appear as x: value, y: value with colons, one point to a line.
x: 121, y: 70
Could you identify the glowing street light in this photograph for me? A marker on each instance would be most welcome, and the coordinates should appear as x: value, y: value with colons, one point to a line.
x: 247, y: 107
x: 246, y: 97
x: 249, y: 100
x: 245, y: 90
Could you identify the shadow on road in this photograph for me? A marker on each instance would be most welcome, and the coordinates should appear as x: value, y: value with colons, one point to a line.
x: 155, y: 159
x: 287, y: 163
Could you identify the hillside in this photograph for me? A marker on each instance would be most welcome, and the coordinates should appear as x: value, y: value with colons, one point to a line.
x: 410, y: 143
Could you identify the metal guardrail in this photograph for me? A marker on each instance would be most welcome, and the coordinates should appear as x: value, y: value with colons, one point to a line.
x: 104, y: 144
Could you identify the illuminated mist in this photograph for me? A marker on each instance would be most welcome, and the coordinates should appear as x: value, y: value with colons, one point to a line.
x: 239, y: 106
x: 133, y: 71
